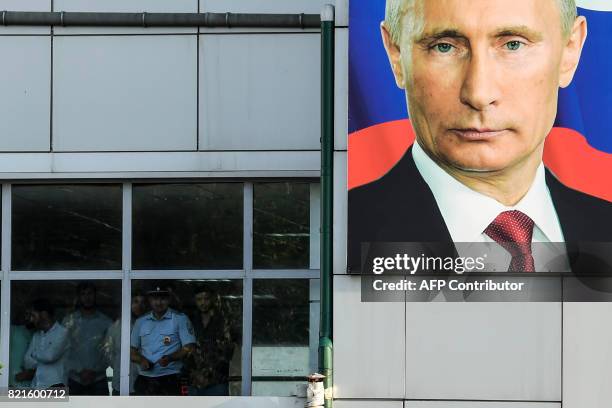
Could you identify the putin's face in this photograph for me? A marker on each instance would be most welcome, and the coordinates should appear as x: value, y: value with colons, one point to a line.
x: 482, y: 78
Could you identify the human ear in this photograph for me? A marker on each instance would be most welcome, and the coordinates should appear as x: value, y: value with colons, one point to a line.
x: 394, y: 54
x: 572, y: 51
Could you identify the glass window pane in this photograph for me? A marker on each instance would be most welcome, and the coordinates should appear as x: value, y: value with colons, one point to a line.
x: 62, y: 227
x: 281, y: 225
x: 202, y: 317
x: 62, y: 333
x: 188, y: 226
x: 281, y: 335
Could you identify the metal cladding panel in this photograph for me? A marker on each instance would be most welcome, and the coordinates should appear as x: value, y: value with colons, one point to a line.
x: 587, y: 356
x: 483, y: 351
x: 479, y: 404
x: 341, y: 85
x: 340, y: 219
x: 369, y: 344
x: 260, y: 92
x: 134, y: 93
x: 25, y: 93
x: 367, y: 404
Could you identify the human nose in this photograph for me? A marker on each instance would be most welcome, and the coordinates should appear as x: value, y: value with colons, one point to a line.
x: 479, y: 89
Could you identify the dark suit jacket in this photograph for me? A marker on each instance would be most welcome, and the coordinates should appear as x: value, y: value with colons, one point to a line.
x: 400, y: 207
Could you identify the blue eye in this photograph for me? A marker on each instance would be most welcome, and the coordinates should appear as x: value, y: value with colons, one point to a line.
x: 513, y: 45
x: 443, y: 47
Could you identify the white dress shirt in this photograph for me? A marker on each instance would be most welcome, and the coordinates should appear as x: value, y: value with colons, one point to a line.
x: 467, y: 213
x: 47, y: 355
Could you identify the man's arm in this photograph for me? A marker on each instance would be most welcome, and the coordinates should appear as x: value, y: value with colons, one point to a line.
x: 139, y: 359
x: 177, y: 355
x: 28, y: 362
x: 55, y: 350
x: 187, y: 337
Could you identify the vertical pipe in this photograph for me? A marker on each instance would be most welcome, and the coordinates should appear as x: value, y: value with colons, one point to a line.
x: 327, y: 167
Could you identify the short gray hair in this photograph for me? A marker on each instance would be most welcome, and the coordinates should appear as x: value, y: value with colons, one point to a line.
x: 396, y: 10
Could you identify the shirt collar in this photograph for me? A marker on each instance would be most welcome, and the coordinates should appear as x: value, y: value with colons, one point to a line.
x: 166, y: 315
x: 54, y: 327
x: 467, y: 221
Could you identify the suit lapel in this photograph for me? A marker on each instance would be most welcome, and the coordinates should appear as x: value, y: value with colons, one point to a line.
x: 420, y: 218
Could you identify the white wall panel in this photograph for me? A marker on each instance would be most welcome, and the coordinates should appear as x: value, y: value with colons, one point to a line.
x: 126, y: 6
x: 165, y: 402
x: 25, y: 93
x: 260, y: 92
x: 368, y: 404
x: 340, y: 212
x: 25, y: 5
x: 587, y: 355
x: 341, y: 96
x: 124, y: 93
x: 369, y: 344
x: 483, y: 351
x: 277, y: 6
x: 479, y: 404
x: 163, y: 164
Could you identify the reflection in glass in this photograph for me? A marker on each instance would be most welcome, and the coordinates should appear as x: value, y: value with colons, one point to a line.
x: 66, y: 227
x: 281, y: 316
x: 88, y: 328
x: 211, y: 312
x: 65, y: 325
x: 188, y: 226
x: 138, y: 308
x: 281, y: 225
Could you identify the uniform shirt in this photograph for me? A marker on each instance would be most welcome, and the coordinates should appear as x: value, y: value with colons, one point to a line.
x: 47, y: 355
x: 87, y: 335
x: 467, y: 213
x: 157, y: 338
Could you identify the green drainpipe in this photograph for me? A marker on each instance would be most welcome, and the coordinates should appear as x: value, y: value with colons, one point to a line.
x: 327, y: 199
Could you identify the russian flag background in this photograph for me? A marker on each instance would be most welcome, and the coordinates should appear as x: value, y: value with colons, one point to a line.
x: 578, y: 149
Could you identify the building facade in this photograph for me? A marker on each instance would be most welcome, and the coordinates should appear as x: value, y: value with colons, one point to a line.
x: 187, y: 157
x: 190, y: 157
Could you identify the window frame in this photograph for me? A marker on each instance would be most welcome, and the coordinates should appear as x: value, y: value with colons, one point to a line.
x: 247, y: 274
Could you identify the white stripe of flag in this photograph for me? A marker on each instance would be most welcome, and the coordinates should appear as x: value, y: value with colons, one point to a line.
x: 599, y: 5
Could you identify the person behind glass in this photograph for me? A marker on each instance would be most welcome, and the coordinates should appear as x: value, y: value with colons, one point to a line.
x: 112, y: 344
x: 20, y: 338
x: 47, y: 352
x: 87, y: 327
x: 160, y: 340
x: 209, y: 364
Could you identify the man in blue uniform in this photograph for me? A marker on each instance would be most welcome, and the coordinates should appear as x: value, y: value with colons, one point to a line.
x: 160, y: 340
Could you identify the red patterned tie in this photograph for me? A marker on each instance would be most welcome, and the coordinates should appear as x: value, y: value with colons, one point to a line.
x: 513, y: 230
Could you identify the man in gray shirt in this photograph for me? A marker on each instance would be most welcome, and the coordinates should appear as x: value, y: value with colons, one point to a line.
x: 47, y: 352
x: 88, y: 328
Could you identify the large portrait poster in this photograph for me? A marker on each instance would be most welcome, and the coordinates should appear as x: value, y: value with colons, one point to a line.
x: 482, y: 85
